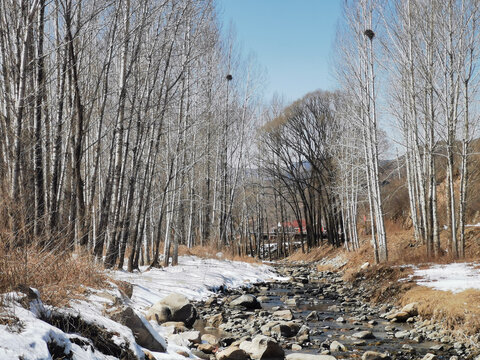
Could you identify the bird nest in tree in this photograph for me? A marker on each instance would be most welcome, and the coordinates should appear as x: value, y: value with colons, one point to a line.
x: 229, y: 77
x: 369, y: 33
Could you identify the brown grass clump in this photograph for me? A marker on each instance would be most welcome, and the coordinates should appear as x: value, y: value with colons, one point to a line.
x: 459, y: 311
x: 58, y: 277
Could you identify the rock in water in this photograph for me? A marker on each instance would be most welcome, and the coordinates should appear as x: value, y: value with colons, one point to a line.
x: 363, y: 335
x: 283, y: 314
x: 373, y: 355
x: 337, y: 346
x: 263, y: 347
x: 285, y: 329
x: 247, y: 301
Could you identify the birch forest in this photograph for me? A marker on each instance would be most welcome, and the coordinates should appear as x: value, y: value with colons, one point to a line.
x: 129, y: 129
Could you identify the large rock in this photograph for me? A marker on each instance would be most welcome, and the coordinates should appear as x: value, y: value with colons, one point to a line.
x: 405, y: 313
x: 232, y: 353
x: 207, y: 348
x: 337, y: 346
x: 283, y: 314
x: 160, y: 313
x: 262, y: 347
x: 210, y: 339
x: 411, y: 309
x: 373, y: 355
x: 285, y: 329
x: 366, y: 334
x: 267, y: 328
x: 398, y: 316
x: 142, y: 331
x: 181, y: 308
x: 300, y: 356
x: 247, y: 301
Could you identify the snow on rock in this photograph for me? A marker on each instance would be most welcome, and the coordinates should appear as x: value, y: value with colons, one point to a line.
x: 193, y: 277
x: 30, y: 337
x: 455, y: 277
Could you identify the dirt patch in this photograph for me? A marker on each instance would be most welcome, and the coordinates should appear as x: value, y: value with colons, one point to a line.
x: 381, y: 283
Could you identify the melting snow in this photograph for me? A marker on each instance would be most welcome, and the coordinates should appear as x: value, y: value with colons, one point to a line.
x: 454, y: 277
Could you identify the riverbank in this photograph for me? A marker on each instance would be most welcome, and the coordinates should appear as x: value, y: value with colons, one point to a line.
x: 220, y: 309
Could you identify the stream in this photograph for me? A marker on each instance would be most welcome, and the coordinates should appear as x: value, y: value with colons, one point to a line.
x: 329, y: 311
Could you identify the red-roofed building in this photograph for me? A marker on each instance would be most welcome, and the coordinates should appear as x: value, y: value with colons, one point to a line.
x: 294, y: 227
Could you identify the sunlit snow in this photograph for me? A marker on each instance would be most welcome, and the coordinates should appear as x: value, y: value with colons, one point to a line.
x: 454, y: 277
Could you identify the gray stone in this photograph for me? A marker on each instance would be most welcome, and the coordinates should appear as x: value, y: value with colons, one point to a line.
x: 373, y: 355
x: 283, y: 314
x: 247, y: 301
x: 291, y: 302
x: 141, y: 331
x: 285, y: 329
x: 313, y: 316
x: 215, y: 320
x: 300, y: 356
x: 262, y: 347
x: 337, y: 346
x: 200, y: 354
x: 210, y: 339
x: 402, y: 334
x: 181, y: 308
x: 160, y: 313
x: 232, y: 353
x: 366, y: 334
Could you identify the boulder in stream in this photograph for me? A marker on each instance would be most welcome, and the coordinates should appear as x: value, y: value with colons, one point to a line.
x: 263, y: 347
x: 374, y: 355
x: 247, y: 301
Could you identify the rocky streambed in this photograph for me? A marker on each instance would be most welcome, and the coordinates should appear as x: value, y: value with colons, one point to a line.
x: 314, y: 315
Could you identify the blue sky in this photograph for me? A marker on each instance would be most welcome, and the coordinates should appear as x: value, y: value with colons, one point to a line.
x: 291, y: 38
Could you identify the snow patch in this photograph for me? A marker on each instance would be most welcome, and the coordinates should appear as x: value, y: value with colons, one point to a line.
x: 193, y: 277
x: 455, y: 277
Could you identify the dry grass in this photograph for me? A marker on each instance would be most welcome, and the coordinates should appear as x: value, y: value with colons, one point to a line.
x: 315, y: 254
x: 58, y: 277
x: 211, y: 251
x: 459, y: 311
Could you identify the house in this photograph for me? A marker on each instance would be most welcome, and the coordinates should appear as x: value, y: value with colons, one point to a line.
x: 293, y: 227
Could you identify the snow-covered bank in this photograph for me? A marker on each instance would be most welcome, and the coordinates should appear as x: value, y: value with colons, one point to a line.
x: 455, y: 277
x: 196, y: 278
x: 193, y: 277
